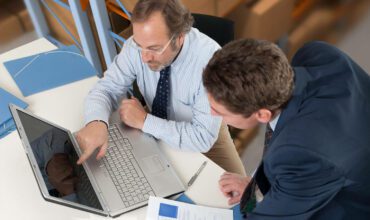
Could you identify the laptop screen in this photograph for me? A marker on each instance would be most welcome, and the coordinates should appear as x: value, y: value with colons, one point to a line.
x: 56, y: 159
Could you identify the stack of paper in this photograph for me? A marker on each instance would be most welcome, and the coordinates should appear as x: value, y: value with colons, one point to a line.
x: 48, y: 70
x: 164, y: 209
x: 6, y: 121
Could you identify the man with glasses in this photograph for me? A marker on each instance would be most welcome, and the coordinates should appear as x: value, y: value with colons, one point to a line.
x: 166, y: 56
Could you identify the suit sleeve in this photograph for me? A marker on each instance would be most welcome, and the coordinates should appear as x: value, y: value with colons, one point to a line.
x: 317, y: 54
x: 302, y: 183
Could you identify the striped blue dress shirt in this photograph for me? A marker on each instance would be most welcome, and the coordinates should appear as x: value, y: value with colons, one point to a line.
x: 190, y: 126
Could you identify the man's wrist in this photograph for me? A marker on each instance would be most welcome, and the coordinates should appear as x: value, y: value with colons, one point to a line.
x: 105, y: 123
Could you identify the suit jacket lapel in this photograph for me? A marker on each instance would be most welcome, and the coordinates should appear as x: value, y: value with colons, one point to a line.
x: 302, y: 78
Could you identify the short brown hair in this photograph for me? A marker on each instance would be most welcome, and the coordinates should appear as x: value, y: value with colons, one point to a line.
x: 178, y: 18
x: 248, y: 75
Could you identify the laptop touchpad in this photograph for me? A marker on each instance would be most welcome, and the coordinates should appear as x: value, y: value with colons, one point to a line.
x: 152, y: 164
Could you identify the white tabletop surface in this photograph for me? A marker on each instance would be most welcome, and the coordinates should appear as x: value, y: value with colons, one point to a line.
x: 20, y: 197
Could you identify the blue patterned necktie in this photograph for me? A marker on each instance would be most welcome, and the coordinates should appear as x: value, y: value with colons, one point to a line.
x: 248, y: 200
x: 268, y: 136
x: 162, y: 94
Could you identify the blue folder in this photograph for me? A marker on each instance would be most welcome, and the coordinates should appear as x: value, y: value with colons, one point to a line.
x: 7, y: 127
x: 6, y: 120
x: 236, y: 209
x: 48, y: 70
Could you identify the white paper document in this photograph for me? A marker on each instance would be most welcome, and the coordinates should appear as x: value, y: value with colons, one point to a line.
x: 165, y: 209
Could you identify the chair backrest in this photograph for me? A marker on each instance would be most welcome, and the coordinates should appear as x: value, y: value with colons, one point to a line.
x: 219, y: 29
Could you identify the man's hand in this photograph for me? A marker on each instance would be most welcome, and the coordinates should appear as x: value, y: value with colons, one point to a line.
x: 60, y: 174
x: 132, y: 113
x: 232, y: 185
x: 94, y: 135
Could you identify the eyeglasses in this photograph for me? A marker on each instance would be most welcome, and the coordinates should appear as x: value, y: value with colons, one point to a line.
x: 157, y: 51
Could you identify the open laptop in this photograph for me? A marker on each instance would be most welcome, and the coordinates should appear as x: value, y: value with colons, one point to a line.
x: 122, y: 181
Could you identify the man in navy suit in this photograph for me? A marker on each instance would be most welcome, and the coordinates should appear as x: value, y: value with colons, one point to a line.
x: 316, y: 165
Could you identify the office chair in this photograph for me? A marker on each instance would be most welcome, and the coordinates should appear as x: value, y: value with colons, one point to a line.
x: 219, y: 29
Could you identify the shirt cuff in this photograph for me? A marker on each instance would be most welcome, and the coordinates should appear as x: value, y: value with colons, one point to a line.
x: 152, y: 125
x: 97, y: 117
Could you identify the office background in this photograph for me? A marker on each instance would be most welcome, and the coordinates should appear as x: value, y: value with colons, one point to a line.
x: 289, y: 23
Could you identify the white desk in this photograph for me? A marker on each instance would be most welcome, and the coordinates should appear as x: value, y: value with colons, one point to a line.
x: 20, y: 197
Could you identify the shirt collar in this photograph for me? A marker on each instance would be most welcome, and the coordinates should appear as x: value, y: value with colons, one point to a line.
x: 183, y: 52
x: 274, y: 122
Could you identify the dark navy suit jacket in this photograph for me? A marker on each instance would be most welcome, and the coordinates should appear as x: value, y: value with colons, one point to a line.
x: 317, y: 165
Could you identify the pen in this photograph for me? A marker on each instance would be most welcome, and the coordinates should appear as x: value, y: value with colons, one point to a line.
x: 193, y: 178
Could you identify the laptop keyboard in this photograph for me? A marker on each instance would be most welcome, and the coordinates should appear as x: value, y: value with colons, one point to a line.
x: 124, y: 170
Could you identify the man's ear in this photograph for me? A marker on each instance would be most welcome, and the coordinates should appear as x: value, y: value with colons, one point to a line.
x: 263, y: 115
x: 181, y: 38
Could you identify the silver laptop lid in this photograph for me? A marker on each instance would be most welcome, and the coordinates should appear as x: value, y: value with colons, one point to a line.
x: 52, y: 154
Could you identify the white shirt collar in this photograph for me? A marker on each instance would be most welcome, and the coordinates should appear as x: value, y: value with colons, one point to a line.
x: 274, y: 122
